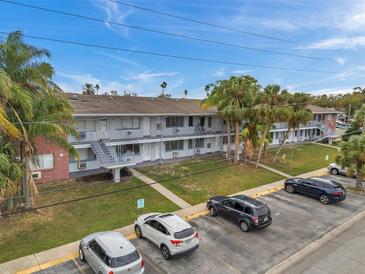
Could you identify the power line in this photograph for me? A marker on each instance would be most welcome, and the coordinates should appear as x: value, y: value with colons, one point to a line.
x: 202, y: 22
x: 108, y: 181
x: 110, y: 192
x: 160, y: 32
x: 215, y: 61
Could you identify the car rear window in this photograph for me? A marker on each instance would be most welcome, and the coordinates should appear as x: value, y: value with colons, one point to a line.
x: 184, y: 233
x: 125, y: 260
x: 264, y: 210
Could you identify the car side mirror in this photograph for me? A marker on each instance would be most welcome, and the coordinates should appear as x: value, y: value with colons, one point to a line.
x: 87, y: 247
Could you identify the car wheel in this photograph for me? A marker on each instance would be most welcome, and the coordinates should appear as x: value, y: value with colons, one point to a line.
x: 165, y: 252
x: 324, y: 199
x: 244, y: 226
x: 81, y: 255
x: 213, y: 211
x: 334, y: 171
x: 138, y: 231
x: 289, y: 189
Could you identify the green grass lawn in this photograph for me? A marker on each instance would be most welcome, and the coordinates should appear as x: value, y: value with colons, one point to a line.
x: 195, y: 189
x: 32, y: 232
x: 298, y: 159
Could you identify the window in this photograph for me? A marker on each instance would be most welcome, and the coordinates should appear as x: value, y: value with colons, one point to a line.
x: 199, y: 143
x: 209, y: 145
x: 209, y: 122
x: 174, y: 145
x: 162, y: 229
x: 184, y: 233
x: 229, y: 203
x: 43, y: 161
x: 86, y: 125
x: 276, y: 135
x: 225, y: 140
x: 190, y: 143
x: 124, y: 260
x: 307, y: 182
x: 306, y: 133
x: 174, y: 121
x: 238, y: 207
x: 129, y: 123
x: 191, y: 121
x: 152, y: 223
x: 95, y: 247
x: 248, y: 210
x: 131, y: 148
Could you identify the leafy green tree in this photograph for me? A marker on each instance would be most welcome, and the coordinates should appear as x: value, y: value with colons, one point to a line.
x: 35, y: 105
x: 353, y: 129
x: 297, y: 114
x: 88, y: 89
x: 163, y: 87
x: 360, y: 118
x: 352, y: 156
x: 272, y: 109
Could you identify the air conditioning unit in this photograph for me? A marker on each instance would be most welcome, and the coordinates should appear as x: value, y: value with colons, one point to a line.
x: 128, y: 159
x: 129, y: 133
x: 175, y: 154
x: 81, y: 165
x: 176, y: 130
x: 36, y: 175
x: 197, y: 150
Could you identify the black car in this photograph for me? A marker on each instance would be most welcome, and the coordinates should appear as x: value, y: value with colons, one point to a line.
x: 327, y: 191
x: 245, y: 211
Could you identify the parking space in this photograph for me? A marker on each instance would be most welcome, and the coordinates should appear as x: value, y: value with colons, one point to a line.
x: 297, y: 221
x: 346, y: 181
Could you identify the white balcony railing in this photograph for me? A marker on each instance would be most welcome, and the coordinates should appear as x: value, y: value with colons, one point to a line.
x: 84, y: 136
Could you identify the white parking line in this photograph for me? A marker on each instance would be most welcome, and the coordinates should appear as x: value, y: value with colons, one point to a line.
x: 78, y: 266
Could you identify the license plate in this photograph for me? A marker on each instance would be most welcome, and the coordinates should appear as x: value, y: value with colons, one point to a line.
x: 187, y: 242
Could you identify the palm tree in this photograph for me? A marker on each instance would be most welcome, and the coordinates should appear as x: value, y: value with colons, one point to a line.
x: 88, y: 89
x: 163, y: 86
x: 186, y: 93
x: 297, y: 114
x: 353, y: 157
x: 360, y: 118
x: 271, y: 110
x: 97, y: 87
x: 35, y: 106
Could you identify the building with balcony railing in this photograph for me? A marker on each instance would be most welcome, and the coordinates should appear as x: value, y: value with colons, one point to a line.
x: 121, y: 131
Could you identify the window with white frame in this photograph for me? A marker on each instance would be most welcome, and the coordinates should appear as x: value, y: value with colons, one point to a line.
x: 87, y: 125
x: 199, y: 143
x: 129, y: 123
x: 174, y: 145
x: 127, y: 149
x: 43, y: 161
x: 174, y: 121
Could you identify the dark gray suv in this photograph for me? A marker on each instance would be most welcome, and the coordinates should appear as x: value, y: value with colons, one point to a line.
x: 245, y: 211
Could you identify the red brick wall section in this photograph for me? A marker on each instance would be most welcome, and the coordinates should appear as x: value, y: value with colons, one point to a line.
x: 60, y: 158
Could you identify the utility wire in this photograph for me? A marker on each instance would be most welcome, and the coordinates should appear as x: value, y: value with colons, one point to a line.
x: 202, y: 22
x: 215, y: 61
x: 109, y: 192
x: 159, y: 32
x: 111, y: 181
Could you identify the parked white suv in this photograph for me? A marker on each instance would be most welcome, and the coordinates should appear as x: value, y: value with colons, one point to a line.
x: 169, y: 232
x: 338, y: 170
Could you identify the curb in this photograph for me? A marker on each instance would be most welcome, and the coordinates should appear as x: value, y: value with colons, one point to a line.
x: 301, y: 254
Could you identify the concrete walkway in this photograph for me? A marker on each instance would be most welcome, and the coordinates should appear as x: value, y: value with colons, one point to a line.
x: 326, y: 145
x: 275, y: 171
x: 160, y: 188
x: 57, y: 255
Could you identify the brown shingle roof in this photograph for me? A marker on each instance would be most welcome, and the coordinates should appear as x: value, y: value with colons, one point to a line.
x: 132, y: 105
x: 128, y: 105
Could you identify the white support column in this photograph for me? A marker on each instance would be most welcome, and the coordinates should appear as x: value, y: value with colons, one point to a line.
x: 116, y: 174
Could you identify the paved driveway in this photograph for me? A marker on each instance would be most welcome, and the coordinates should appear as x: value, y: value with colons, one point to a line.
x: 297, y: 221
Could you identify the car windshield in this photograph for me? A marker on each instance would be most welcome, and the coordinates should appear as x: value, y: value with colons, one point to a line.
x: 184, y: 233
x: 125, y: 260
x: 264, y: 210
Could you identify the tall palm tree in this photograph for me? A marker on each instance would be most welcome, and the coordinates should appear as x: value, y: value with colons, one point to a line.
x: 353, y: 157
x: 35, y: 106
x: 88, y: 89
x: 186, y: 93
x: 297, y: 114
x: 163, y: 86
x: 272, y: 109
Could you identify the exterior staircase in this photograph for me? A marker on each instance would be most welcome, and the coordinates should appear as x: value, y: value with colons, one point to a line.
x: 103, y: 153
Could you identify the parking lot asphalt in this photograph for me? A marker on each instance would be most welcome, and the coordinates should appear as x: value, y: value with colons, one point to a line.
x: 297, y: 221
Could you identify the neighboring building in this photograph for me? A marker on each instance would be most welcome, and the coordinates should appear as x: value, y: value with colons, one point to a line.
x: 120, y: 131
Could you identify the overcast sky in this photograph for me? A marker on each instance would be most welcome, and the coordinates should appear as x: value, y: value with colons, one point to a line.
x: 330, y: 29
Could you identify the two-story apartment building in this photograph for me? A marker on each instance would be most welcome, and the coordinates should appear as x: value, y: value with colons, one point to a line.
x: 120, y: 131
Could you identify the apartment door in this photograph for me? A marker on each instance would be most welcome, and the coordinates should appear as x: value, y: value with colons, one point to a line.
x: 202, y: 121
x: 103, y: 129
x: 146, y: 152
x: 153, y: 151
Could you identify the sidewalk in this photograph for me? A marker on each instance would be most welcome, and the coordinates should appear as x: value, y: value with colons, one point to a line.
x: 57, y: 255
x: 160, y: 188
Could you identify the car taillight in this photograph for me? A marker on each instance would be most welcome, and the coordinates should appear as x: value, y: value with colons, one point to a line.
x: 142, y: 264
x: 255, y: 219
x: 111, y: 272
x: 337, y: 193
x: 196, y: 234
x: 176, y: 242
